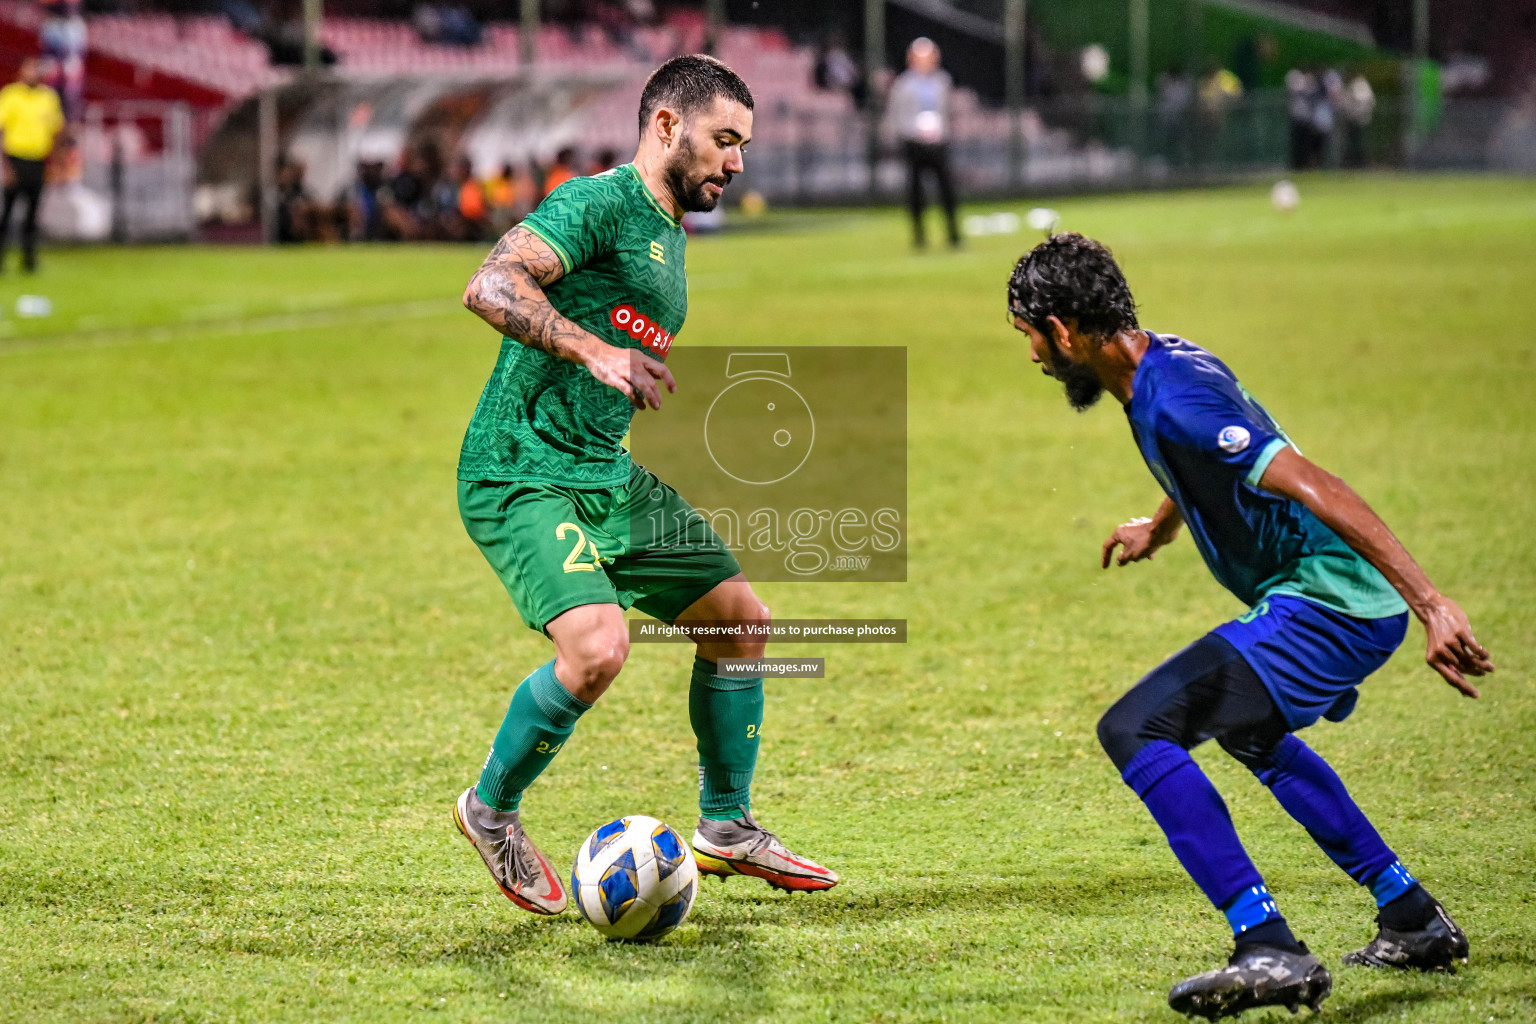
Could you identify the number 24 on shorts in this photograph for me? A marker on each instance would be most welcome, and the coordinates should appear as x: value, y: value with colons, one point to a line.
x: 570, y: 564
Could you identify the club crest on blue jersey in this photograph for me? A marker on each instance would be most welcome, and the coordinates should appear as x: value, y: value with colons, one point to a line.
x: 1233, y: 439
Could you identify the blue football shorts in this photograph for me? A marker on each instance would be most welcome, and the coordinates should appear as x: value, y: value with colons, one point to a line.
x: 1312, y: 658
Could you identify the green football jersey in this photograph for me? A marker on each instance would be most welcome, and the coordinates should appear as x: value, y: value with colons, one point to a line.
x: 546, y: 419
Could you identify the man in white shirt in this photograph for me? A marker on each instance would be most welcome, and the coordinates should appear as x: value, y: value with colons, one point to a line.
x: 919, y: 112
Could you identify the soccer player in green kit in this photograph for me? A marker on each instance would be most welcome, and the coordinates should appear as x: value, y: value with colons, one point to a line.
x: 588, y: 293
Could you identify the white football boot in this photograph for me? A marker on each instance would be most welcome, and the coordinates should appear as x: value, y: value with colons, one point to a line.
x: 523, y: 874
x: 743, y: 847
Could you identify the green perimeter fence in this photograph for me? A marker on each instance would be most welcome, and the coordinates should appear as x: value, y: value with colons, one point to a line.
x: 1108, y: 141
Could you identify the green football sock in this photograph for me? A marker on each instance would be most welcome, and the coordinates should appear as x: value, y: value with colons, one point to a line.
x: 727, y: 716
x: 541, y: 717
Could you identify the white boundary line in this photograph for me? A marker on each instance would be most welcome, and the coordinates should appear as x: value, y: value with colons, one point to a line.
x: 273, y: 324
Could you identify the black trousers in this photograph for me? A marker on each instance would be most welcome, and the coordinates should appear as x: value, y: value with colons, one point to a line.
x: 26, y: 181
x: 1206, y: 691
x: 929, y: 158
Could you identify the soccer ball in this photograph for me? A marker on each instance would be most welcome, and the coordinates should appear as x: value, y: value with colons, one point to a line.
x: 1285, y: 196
x: 1043, y: 218
x: 634, y: 879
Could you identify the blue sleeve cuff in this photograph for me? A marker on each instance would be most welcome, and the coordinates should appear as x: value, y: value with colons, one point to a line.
x: 1266, y: 456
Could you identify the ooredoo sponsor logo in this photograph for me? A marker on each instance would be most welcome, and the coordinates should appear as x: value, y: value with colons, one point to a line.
x: 640, y: 327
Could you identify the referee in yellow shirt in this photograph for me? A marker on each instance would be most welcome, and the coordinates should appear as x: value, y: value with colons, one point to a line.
x: 30, y: 119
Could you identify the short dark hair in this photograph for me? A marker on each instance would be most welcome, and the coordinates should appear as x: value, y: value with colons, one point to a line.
x: 1072, y: 277
x: 689, y: 83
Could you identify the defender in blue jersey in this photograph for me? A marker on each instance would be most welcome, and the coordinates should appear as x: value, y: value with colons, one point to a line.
x: 1328, y: 588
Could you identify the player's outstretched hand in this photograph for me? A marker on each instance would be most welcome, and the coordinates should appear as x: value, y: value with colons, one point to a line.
x: 1137, y: 540
x: 634, y: 373
x: 1453, y: 651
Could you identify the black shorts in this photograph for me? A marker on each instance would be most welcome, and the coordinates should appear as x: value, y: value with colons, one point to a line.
x: 26, y: 175
x: 1206, y: 691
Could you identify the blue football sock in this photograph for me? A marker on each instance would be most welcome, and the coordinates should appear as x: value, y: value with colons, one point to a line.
x: 1310, y: 792
x: 1392, y: 883
x: 1274, y: 933
x: 1249, y: 909
x: 1197, y: 824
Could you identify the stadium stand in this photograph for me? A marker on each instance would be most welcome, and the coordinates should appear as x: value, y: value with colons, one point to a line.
x: 114, y: 73
x: 203, y: 50
x: 220, y: 64
x: 392, y: 90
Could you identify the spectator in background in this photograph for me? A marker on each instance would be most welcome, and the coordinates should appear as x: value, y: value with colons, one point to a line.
x: 604, y: 161
x: 1513, y: 146
x: 1300, y: 92
x: 528, y: 191
x: 31, y: 119
x: 561, y: 171
x: 618, y: 22
x: 285, y: 44
x: 243, y: 17
x: 919, y: 112
x: 448, y: 26
x: 66, y: 165
x: 1219, y: 90
x: 501, y: 200
x: 1175, y: 96
x: 296, y: 213
x: 403, y: 199
x: 835, y: 71
x: 1246, y: 62
x: 364, y: 206
x: 1324, y: 120
x: 440, y: 213
x: 63, y: 41
x: 1358, y: 106
x: 644, y: 15
x: 472, y: 207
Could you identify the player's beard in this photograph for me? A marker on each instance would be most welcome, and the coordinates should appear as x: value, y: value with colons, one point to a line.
x: 689, y: 191
x: 1081, y: 383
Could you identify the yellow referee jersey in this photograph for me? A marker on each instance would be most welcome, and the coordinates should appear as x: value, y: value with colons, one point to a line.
x: 30, y: 118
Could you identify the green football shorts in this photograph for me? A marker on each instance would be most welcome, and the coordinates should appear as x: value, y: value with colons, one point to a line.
x: 554, y: 547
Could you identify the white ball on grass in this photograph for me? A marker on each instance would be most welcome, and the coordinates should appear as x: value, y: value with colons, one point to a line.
x: 634, y: 879
x: 1042, y: 218
x: 1285, y: 196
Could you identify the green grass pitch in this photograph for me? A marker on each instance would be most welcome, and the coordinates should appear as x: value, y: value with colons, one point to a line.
x: 248, y: 657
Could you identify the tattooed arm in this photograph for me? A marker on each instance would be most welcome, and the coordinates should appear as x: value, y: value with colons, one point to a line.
x: 507, y: 292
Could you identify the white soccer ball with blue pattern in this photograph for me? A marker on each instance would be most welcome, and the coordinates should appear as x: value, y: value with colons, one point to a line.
x: 634, y: 879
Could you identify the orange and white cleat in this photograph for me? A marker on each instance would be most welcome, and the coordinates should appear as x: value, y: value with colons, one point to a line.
x: 743, y: 847
x: 521, y: 872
